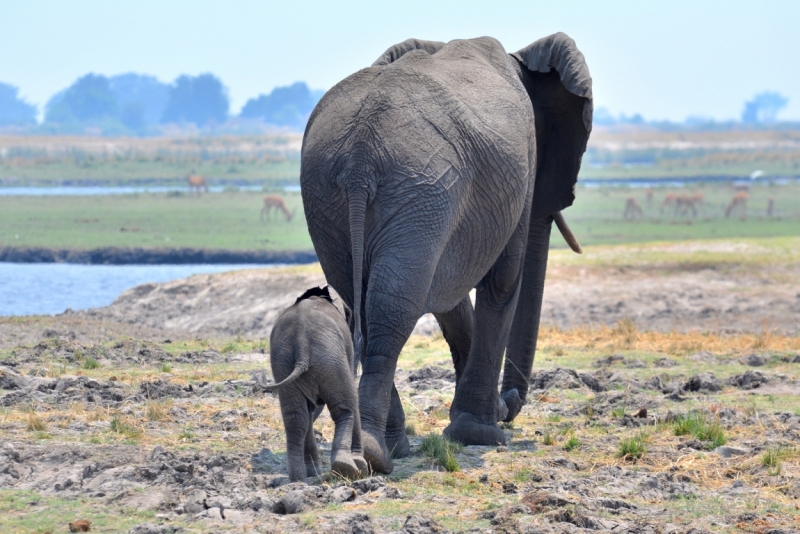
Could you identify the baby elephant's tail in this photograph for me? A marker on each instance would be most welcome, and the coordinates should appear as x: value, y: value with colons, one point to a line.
x: 302, y: 362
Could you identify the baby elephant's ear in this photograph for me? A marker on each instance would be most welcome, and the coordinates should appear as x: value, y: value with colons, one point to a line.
x: 337, y: 301
x: 393, y: 53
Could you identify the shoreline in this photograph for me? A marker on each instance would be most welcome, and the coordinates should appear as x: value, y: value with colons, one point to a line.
x: 152, y: 256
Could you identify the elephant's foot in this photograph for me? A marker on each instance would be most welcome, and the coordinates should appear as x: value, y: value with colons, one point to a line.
x: 375, y: 452
x: 344, y: 464
x: 513, y: 402
x: 466, y: 429
x: 361, y: 463
x: 398, y: 444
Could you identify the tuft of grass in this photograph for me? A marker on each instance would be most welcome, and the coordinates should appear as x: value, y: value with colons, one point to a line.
x: 442, y: 451
x: 618, y: 412
x: 548, y: 438
x: 773, y: 458
x: 120, y: 426
x: 632, y: 448
x: 572, y: 443
x: 165, y: 368
x: 156, y: 411
x: 35, y: 423
x: 701, y: 427
x: 186, y: 434
x: 89, y: 362
x: 553, y: 418
x: 411, y: 430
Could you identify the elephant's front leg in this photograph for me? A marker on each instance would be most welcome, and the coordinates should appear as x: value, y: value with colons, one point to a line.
x: 457, y: 326
x: 475, y: 409
x: 342, y: 462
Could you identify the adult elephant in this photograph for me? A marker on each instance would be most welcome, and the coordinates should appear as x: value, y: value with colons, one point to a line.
x: 437, y: 170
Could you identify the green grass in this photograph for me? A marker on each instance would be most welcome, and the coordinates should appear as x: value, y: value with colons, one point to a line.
x: 442, y: 451
x: 215, y: 221
x: 120, y: 426
x: 701, y: 427
x: 90, y: 362
x: 632, y: 448
x: 572, y: 443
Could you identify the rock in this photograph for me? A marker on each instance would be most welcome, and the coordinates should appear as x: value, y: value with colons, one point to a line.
x: 727, y: 452
x: 703, y: 383
x: 591, y: 382
x: 749, y: 380
x: 608, y: 360
x: 80, y: 525
x: 152, y: 528
x: 501, y: 448
x: 703, y: 357
x: 665, y: 362
x: 635, y: 364
x: 293, y: 503
x: 369, y: 485
x: 342, y: 494
x: 754, y: 360
x: 417, y: 524
x: 195, y: 502
x: 556, y: 378
x: 358, y: 523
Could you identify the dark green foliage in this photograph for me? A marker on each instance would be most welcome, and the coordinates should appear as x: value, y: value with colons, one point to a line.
x: 201, y: 100
x: 442, y: 451
x: 284, y: 106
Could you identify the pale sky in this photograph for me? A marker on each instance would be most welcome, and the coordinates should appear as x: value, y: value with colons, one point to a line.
x: 663, y: 59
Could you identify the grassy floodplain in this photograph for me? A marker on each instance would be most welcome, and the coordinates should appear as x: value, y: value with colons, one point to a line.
x: 230, y: 220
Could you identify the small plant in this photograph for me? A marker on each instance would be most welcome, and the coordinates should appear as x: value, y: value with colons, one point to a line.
x: 699, y: 426
x: 35, y: 423
x: 186, y: 434
x: 632, y: 448
x: 123, y: 428
x: 553, y: 418
x: 618, y: 412
x: 442, y: 451
x: 411, y: 430
x: 773, y: 458
x: 165, y: 368
x: 156, y: 411
x: 572, y: 443
x: 548, y: 438
x: 90, y: 363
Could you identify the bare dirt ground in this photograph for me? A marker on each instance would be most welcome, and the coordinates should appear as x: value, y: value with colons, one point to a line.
x: 146, y: 416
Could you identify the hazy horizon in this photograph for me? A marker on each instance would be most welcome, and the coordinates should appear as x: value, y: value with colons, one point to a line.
x: 666, y: 61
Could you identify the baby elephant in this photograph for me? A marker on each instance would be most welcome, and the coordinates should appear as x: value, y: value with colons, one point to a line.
x: 311, y: 353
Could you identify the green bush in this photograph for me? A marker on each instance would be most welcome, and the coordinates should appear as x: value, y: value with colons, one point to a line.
x: 442, y: 451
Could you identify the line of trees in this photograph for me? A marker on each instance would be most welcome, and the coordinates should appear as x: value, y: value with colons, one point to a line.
x: 139, y: 104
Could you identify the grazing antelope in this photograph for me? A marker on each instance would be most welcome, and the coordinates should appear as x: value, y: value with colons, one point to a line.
x: 669, y: 202
x: 649, y: 192
x: 196, y: 183
x: 277, y: 203
x: 770, y: 206
x: 632, y: 209
x: 685, y: 203
x: 738, y: 204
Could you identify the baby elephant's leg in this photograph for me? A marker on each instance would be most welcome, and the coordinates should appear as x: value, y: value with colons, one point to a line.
x: 356, y: 448
x: 342, y: 461
x: 296, y: 422
x: 313, y: 467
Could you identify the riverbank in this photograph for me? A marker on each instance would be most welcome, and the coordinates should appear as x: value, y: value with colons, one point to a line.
x: 152, y: 256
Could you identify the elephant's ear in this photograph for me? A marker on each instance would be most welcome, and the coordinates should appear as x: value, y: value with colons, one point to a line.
x: 557, y: 80
x: 339, y: 304
x: 393, y: 53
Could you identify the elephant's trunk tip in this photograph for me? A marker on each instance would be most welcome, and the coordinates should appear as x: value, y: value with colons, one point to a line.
x: 569, y: 237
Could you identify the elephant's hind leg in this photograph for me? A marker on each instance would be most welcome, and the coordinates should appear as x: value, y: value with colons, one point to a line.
x: 296, y: 422
x: 311, y: 452
x: 476, y: 406
x: 457, y: 325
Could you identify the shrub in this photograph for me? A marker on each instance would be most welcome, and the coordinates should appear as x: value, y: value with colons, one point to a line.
x: 701, y: 427
x: 442, y: 451
x: 632, y: 448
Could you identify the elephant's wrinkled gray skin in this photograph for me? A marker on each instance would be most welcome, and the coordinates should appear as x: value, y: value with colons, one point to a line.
x: 418, y: 184
x: 311, y: 354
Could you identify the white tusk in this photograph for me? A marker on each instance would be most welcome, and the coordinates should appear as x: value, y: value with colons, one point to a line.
x: 569, y: 237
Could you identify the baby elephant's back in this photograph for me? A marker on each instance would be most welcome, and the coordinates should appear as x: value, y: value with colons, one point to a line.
x: 313, y: 329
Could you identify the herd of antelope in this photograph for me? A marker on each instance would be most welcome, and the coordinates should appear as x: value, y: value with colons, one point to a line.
x: 198, y: 184
x: 684, y: 205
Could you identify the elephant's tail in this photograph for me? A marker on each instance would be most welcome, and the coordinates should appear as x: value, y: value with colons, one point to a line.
x: 358, y: 206
x: 301, y: 365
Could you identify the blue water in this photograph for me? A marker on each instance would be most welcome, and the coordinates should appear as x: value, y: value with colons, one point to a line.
x: 51, y: 288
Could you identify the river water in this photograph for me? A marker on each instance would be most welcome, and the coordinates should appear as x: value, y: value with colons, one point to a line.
x: 51, y: 288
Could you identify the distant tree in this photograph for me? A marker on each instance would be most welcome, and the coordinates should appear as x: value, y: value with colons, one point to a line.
x: 13, y: 110
x: 142, y: 99
x: 202, y: 100
x: 284, y: 106
x: 88, y: 100
x: 764, y: 107
x: 603, y: 117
